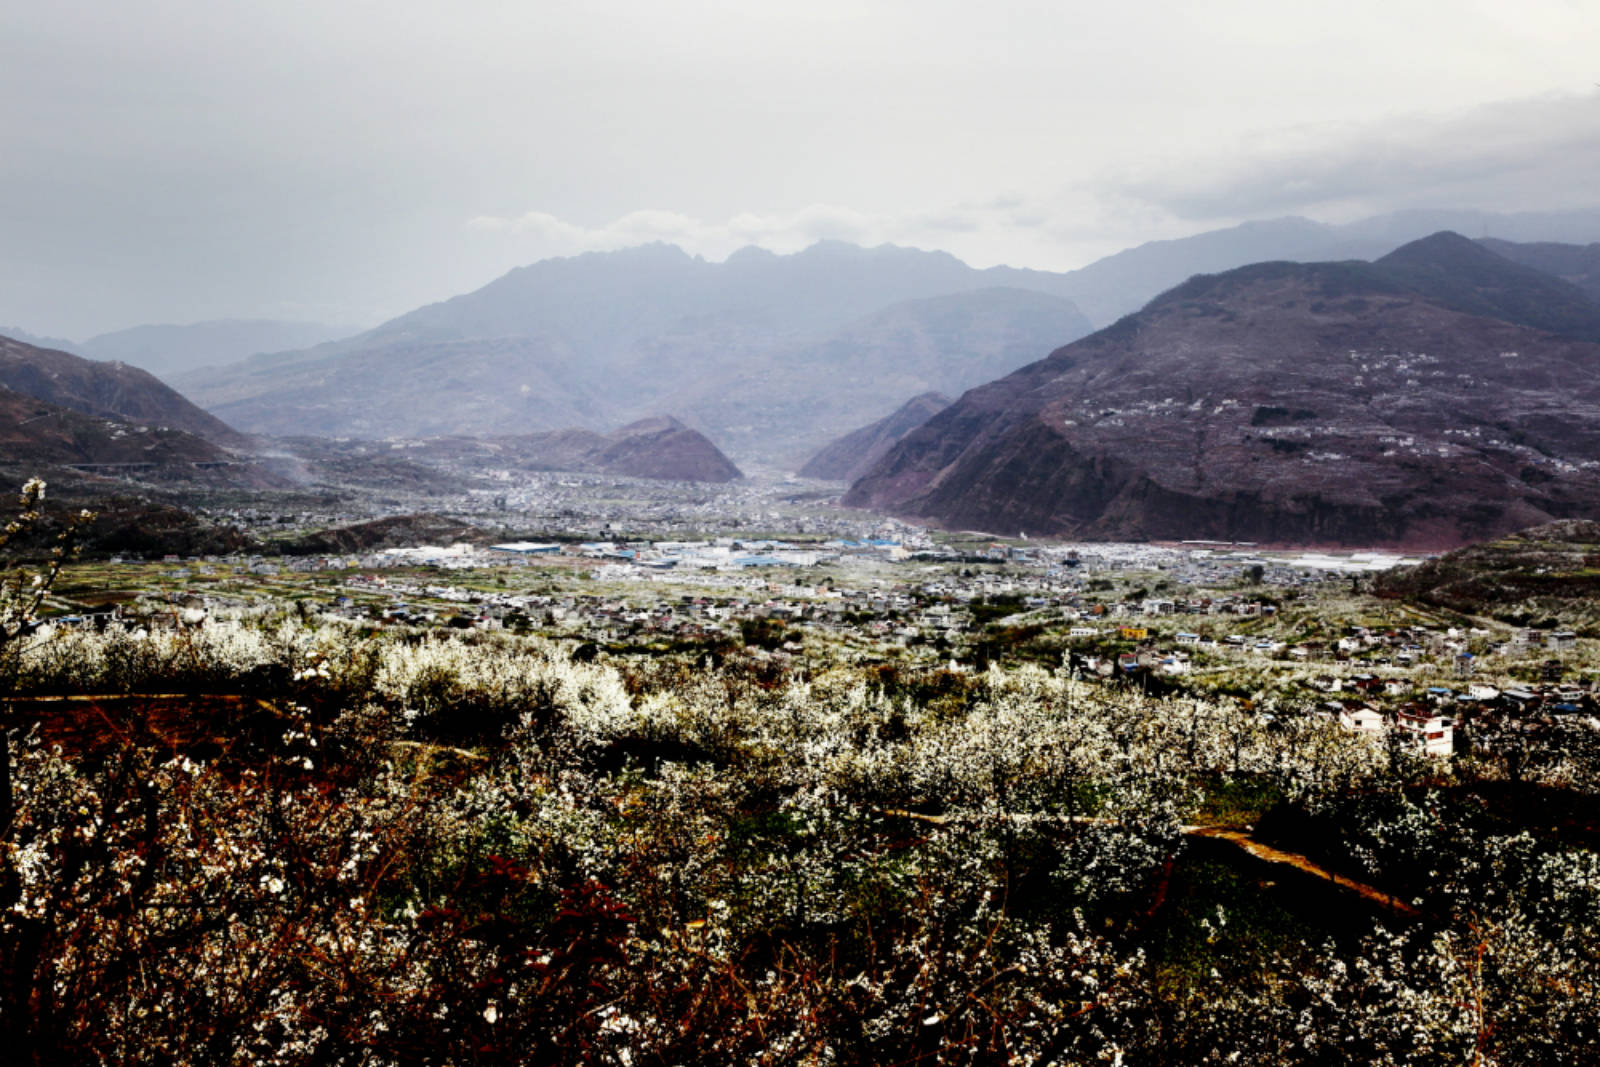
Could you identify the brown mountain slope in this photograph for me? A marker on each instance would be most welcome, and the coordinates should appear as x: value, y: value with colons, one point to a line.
x: 35, y: 433
x: 659, y: 448
x: 113, y: 390
x: 662, y: 447
x: 849, y: 457
x: 1319, y: 403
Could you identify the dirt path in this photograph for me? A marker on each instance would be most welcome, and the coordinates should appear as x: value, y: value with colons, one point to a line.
x: 1269, y: 854
x: 1239, y: 839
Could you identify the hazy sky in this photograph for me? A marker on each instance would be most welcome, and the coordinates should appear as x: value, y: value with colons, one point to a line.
x: 346, y: 161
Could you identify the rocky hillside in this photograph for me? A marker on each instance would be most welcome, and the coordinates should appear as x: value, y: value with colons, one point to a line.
x: 1293, y: 403
x: 662, y: 448
x: 853, y: 455
x: 1548, y: 575
x: 659, y: 448
x: 35, y: 434
x: 108, y: 390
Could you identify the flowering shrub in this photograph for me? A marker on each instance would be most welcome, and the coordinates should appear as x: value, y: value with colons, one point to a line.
x: 470, y: 848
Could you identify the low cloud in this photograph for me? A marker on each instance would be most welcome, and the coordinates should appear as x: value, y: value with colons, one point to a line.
x: 782, y: 233
x: 1008, y: 229
x: 1525, y: 155
x: 1531, y: 155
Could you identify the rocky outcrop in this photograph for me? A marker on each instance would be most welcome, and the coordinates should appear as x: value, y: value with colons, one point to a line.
x: 659, y: 448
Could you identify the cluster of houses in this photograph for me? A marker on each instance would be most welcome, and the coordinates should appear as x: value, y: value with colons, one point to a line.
x: 1429, y: 720
x: 877, y: 613
x: 723, y: 553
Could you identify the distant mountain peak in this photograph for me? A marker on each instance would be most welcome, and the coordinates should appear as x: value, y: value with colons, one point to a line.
x: 651, y: 424
x: 660, y: 447
x: 833, y: 246
x: 1578, y: 264
x: 750, y: 254
x: 1445, y: 247
x: 656, y: 250
x: 1460, y: 273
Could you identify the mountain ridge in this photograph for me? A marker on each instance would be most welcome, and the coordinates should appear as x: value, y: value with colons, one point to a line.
x: 1576, y: 264
x: 851, y: 456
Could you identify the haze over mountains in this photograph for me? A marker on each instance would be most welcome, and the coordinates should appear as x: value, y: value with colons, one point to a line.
x: 1577, y: 264
x: 169, y: 350
x: 1333, y: 403
x: 1121, y: 283
x: 771, y: 356
x: 751, y: 350
x: 166, y: 350
x: 110, y: 418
